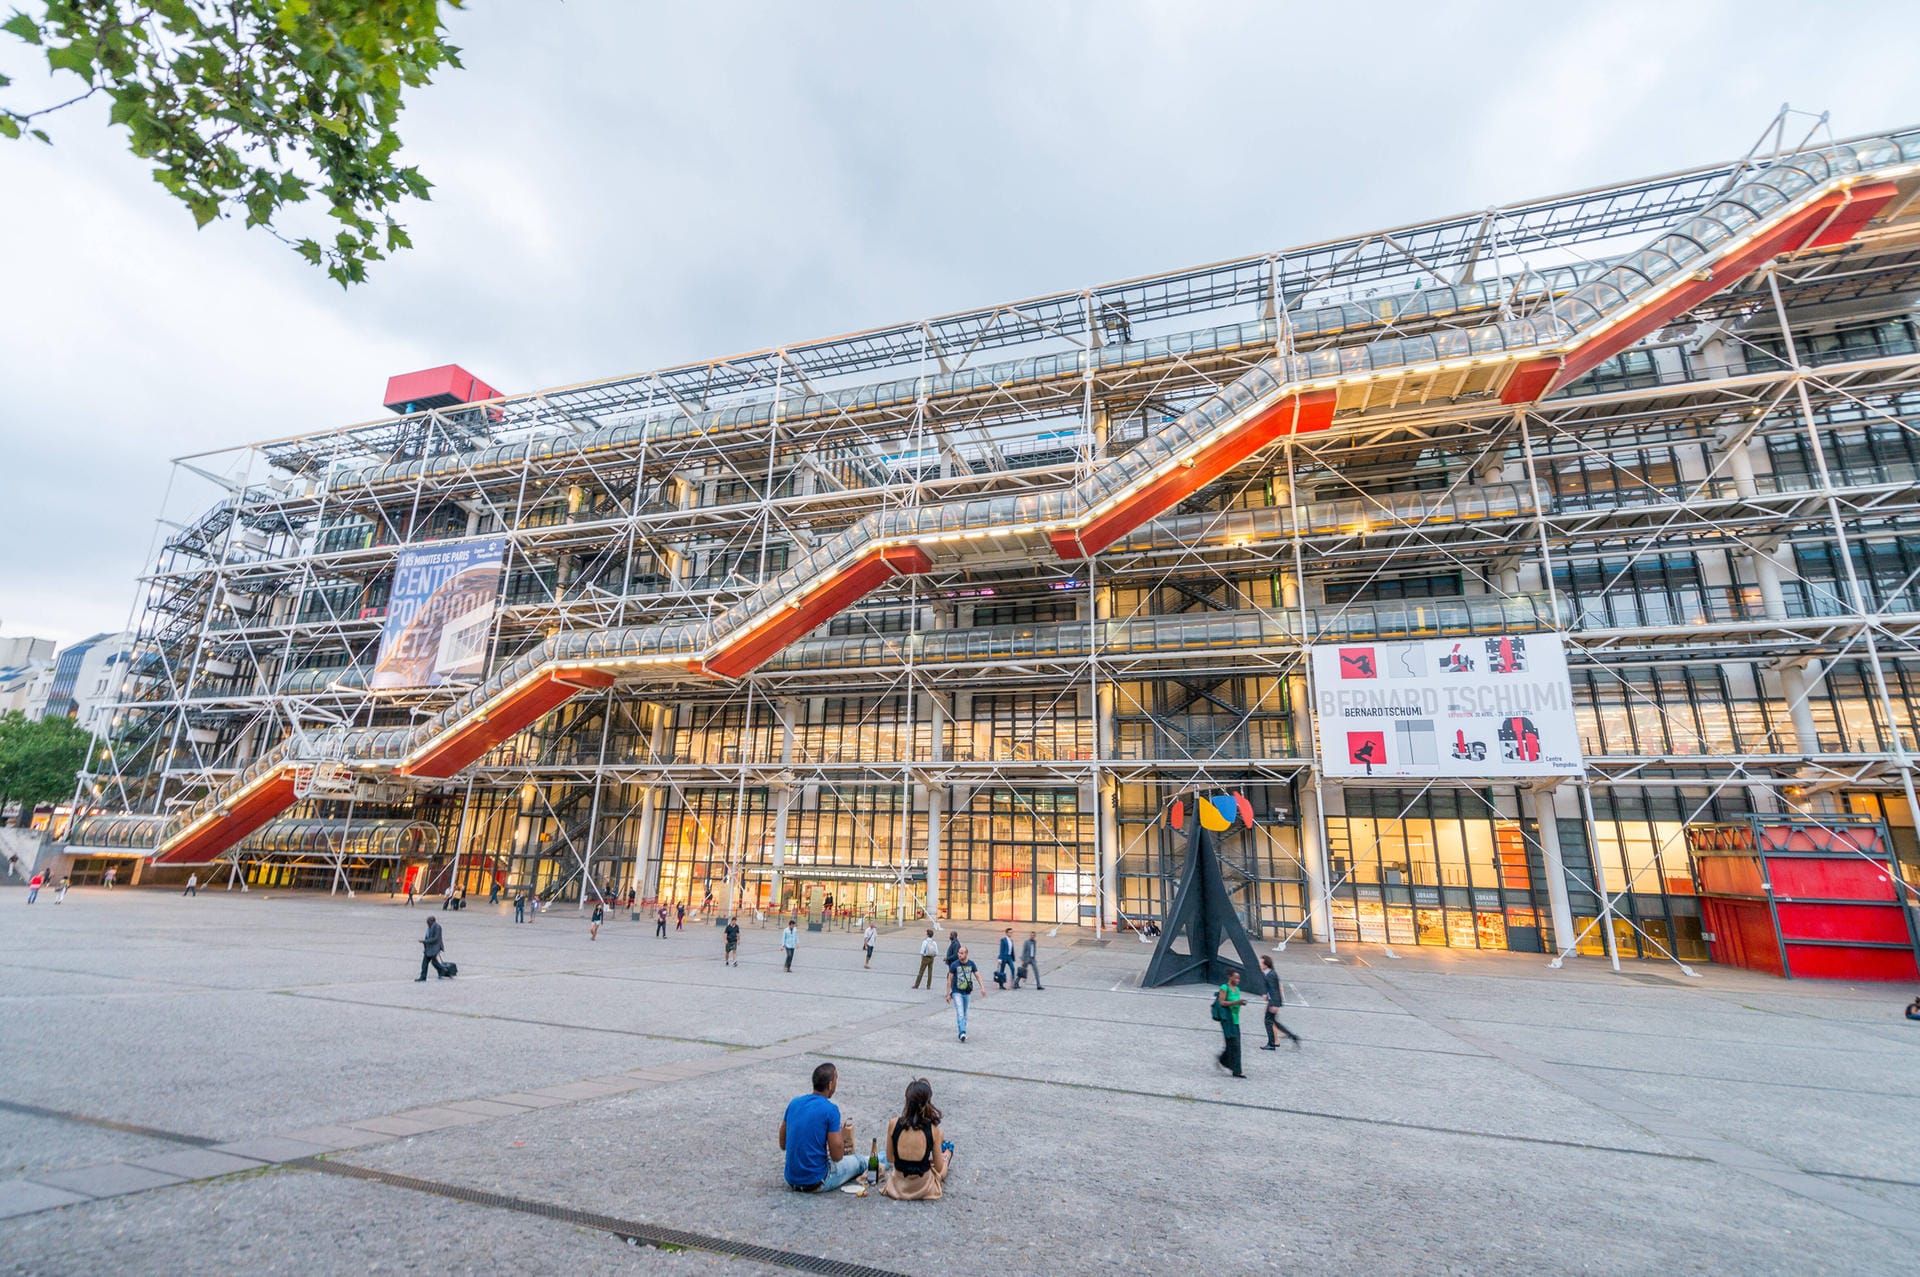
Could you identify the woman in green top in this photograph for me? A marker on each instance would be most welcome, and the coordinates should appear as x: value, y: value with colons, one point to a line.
x: 1227, y: 1011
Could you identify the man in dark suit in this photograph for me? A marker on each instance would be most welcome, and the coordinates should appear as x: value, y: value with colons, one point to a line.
x: 431, y: 945
x: 1008, y: 964
x: 1029, y: 961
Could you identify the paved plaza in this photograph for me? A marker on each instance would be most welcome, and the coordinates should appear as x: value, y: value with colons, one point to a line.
x: 256, y: 1084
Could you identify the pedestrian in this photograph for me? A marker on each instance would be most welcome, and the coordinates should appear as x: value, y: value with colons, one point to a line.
x: 1226, y: 1009
x: 680, y: 916
x: 660, y: 924
x: 33, y: 887
x: 963, y: 981
x: 413, y: 885
x: 789, y: 940
x: 1006, y: 965
x: 599, y: 916
x: 1275, y: 1001
x: 493, y: 893
x: 867, y: 941
x: 953, y: 949
x: 519, y: 906
x: 732, y: 956
x: 706, y: 902
x: 918, y: 1152
x: 193, y: 885
x: 431, y: 946
x: 113, y: 873
x: 13, y: 866
x: 1029, y: 960
x: 927, y: 951
x: 60, y: 892
x: 818, y: 1144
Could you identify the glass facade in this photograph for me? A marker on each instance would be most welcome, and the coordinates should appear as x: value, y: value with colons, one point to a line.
x: 1004, y: 727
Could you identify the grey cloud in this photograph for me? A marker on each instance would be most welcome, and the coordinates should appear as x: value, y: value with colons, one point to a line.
x: 624, y: 186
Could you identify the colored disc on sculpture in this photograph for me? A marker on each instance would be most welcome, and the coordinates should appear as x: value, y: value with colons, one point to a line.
x: 1246, y: 808
x: 1216, y: 814
x: 1179, y: 814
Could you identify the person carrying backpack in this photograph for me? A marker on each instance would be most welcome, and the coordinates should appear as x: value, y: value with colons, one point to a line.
x: 963, y: 981
x: 1226, y: 1010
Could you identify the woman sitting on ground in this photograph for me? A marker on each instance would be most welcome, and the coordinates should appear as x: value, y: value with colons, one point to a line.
x: 917, y: 1162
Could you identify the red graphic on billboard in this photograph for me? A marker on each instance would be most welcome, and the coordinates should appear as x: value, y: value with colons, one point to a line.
x: 1367, y: 749
x: 1358, y: 662
x: 1506, y: 656
x: 1519, y: 740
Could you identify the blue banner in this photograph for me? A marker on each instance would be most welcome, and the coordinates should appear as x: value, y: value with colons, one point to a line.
x: 440, y: 614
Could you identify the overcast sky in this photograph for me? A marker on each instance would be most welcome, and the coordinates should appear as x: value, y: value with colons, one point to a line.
x: 622, y: 186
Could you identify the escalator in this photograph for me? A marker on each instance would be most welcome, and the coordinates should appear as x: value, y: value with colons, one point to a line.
x: 1809, y: 201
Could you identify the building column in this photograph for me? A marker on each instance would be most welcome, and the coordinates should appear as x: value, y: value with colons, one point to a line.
x: 646, y: 858
x: 1546, y: 819
x: 1313, y: 861
x: 1102, y: 788
x: 1734, y: 445
x: 1797, y: 681
x: 782, y: 792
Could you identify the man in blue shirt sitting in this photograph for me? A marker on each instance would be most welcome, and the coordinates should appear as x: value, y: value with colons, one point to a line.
x: 820, y: 1156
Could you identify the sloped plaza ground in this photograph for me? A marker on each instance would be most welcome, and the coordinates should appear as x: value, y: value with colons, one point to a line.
x: 256, y: 1084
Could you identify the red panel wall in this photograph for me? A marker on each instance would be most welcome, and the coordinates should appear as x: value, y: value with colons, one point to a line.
x: 1854, y: 878
x: 1743, y: 934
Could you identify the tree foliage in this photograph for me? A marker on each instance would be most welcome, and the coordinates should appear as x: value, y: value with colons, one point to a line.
x: 244, y: 107
x: 39, y: 758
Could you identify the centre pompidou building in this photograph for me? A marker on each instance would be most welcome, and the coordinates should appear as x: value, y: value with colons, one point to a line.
x: 941, y: 617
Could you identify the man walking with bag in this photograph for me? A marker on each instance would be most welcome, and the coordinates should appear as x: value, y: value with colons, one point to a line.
x: 1029, y: 960
x: 431, y: 946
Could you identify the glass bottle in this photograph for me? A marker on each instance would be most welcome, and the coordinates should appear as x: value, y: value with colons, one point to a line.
x: 873, y: 1162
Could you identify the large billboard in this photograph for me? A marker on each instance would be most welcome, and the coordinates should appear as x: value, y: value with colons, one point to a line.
x: 440, y: 614
x: 1475, y: 708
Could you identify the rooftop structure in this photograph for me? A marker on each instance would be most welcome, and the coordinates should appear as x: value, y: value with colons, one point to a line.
x: 943, y: 616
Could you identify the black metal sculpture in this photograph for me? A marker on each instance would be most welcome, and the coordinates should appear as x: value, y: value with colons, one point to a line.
x: 1203, y: 923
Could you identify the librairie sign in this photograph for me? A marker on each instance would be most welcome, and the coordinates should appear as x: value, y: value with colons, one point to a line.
x: 1474, y: 708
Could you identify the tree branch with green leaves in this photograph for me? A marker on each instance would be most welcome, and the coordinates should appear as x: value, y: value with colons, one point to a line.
x: 249, y: 107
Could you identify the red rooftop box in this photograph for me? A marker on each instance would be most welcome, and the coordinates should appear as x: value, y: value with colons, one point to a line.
x: 441, y: 387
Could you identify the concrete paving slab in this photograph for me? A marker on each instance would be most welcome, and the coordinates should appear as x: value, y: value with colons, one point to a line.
x: 24, y: 1197
x: 528, y: 1100
x: 486, y: 1108
x: 109, y: 1180
x: 394, y: 1125
x: 439, y: 1116
x: 336, y: 1137
x: 199, y: 1163
x: 272, y: 1148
